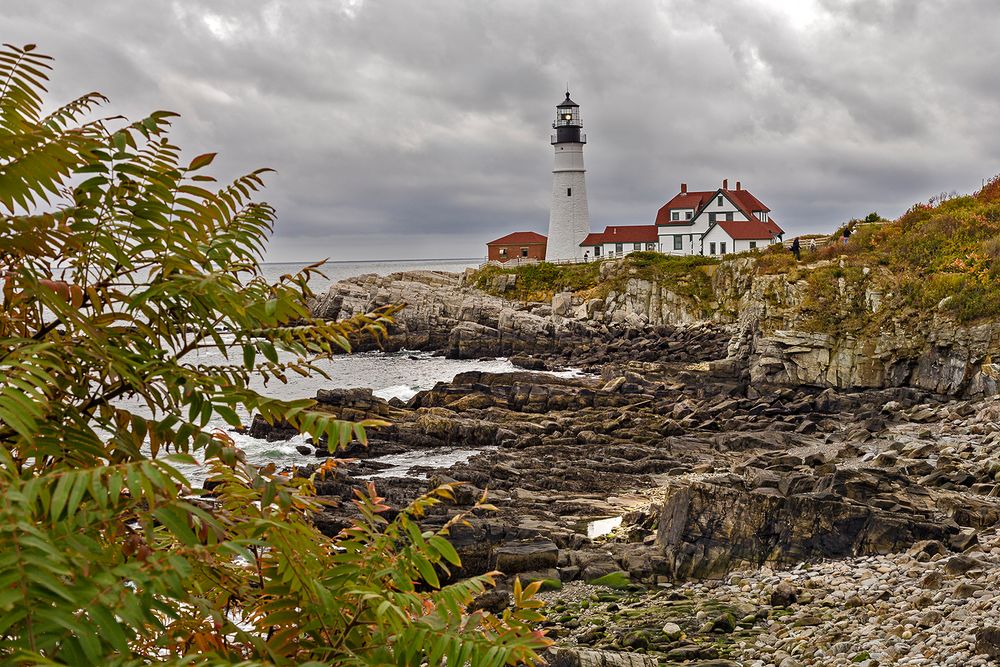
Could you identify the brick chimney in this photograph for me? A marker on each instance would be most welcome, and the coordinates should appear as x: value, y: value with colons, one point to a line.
x: 725, y: 184
x: 738, y: 185
x: 684, y: 188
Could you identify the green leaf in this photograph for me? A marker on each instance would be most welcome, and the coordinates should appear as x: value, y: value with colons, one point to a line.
x: 202, y: 160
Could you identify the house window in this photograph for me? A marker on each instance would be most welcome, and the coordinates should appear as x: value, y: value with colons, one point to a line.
x: 678, y: 242
x: 711, y: 218
x: 524, y: 252
x: 753, y: 245
x: 675, y: 215
x: 729, y: 216
x: 569, y: 192
x: 720, y: 200
x: 618, y: 247
x: 687, y: 216
x: 503, y: 252
x: 711, y: 248
x: 722, y: 248
x: 636, y: 246
x: 650, y: 246
x: 597, y: 251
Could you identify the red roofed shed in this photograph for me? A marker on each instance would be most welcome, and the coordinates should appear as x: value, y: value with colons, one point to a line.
x: 525, y: 245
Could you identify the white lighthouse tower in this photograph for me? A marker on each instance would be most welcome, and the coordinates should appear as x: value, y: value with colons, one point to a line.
x: 569, y: 218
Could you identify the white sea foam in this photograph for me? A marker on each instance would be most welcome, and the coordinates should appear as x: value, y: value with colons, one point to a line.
x: 442, y: 457
x: 403, y: 392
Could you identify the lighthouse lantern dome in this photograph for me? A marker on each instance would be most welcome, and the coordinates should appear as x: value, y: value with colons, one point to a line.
x: 567, y: 114
x: 568, y: 123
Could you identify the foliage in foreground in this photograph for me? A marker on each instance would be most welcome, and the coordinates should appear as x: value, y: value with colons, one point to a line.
x: 122, y: 271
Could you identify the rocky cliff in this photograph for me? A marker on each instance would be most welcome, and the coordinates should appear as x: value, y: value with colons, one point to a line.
x: 773, y: 342
x: 833, y: 519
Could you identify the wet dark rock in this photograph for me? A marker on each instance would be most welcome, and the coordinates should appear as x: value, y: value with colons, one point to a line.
x: 493, y: 601
x: 280, y: 430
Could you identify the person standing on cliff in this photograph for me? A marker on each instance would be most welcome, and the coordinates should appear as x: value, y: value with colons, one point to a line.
x: 796, y: 249
x: 847, y: 234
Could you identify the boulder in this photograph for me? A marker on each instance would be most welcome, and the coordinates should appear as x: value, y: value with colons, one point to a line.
x: 278, y: 431
x: 988, y: 641
x: 512, y: 558
x: 784, y: 595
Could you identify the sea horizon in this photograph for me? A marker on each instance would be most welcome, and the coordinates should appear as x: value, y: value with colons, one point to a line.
x: 377, y: 261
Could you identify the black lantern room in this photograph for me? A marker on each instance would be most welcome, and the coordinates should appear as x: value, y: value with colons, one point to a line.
x: 567, y: 123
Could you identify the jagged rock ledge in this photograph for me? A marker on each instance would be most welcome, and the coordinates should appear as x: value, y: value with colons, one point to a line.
x: 762, y: 314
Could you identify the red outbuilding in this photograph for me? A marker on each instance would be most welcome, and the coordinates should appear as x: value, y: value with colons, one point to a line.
x: 522, y: 245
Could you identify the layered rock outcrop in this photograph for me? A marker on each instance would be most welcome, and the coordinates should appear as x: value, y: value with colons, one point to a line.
x: 771, y: 341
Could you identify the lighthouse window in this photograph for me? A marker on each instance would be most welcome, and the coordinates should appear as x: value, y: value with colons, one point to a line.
x: 569, y: 192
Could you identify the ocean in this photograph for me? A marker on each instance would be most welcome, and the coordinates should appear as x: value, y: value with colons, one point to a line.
x: 401, y: 374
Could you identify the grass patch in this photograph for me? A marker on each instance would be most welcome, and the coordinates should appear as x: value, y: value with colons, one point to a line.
x: 835, y: 299
x: 685, y: 276
x: 538, y: 282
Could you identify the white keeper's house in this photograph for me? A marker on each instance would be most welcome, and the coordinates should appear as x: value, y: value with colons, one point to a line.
x: 715, y: 222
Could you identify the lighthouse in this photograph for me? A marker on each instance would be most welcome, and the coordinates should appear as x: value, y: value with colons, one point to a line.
x: 569, y: 218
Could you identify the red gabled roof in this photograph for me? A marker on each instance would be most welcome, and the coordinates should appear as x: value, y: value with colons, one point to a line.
x: 693, y: 200
x: 743, y: 200
x: 750, y: 230
x: 623, y: 234
x: 515, y: 238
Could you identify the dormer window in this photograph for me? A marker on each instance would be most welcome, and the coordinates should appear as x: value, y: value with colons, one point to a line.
x: 675, y: 215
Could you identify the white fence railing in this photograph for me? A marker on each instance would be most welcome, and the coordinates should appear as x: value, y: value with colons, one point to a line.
x: 524, y: 261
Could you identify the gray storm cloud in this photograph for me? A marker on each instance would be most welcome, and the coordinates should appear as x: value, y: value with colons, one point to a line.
x: 420, y: 129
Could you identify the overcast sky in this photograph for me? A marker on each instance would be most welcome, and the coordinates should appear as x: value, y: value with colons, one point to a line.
x: 420, y: 128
